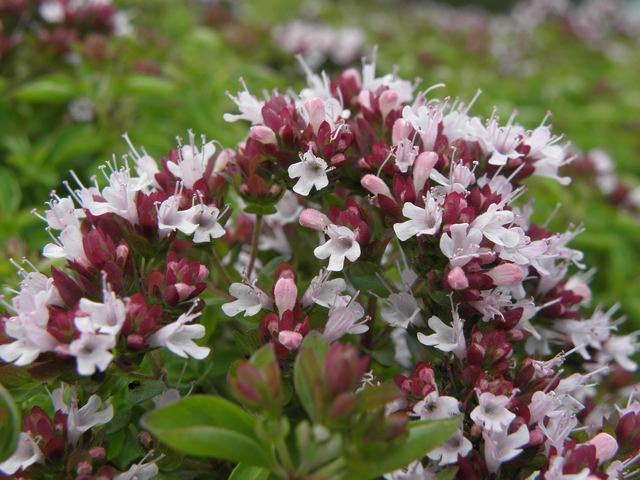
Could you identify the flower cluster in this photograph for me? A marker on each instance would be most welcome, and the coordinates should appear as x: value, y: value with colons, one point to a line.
x: 318, y: 43
x: 58, y: 24
x: 129, y: 285
x: 486, y: 292
x: 362, y: 214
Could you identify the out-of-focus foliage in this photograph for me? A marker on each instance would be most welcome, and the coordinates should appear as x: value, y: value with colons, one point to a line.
x: 169, y: 75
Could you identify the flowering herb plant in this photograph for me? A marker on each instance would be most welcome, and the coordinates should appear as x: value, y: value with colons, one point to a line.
x: 356, y: 290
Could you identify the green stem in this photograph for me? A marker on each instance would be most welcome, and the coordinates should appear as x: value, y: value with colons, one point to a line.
x: 218, y: 263
x: 254, y: 244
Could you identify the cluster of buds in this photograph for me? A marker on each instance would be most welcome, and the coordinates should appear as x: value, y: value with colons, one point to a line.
x: 59, y: 24
x: 441, y: 277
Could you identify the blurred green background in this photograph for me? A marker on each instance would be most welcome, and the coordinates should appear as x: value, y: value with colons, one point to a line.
x: 171, y: 74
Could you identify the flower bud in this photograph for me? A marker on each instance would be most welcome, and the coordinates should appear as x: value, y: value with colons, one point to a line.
x: 84, y: 468
x: 388, y: 101
x: 375, y: 185
x: 312, y: 218
x: 316, y: 111
x: 422, y: 169
x: 285, y: 292
x: 291, y: 340
x: 99, y: 453
x: 343, y: 368
x: 263, y: 134
x: 606, y: 446
x: 457, y: 279
x: 506, y: 274
x: 401, y: 130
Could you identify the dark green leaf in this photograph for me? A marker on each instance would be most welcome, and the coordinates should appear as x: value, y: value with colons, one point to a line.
x: 363, y: 277
x: 207, y: 426
x: 424, y: 436
x: 308, y: 373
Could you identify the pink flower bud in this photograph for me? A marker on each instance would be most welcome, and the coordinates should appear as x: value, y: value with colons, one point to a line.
x: 136, y: 342
x: 606, y: 446
x: 375, y: 185
x: 98, y: 453
x: 285, y: 293
x: 422, y: 169
x: 388, y: 101
x: 457, y: 279
x: 315, y: 109
x: 84, y: 468
x: 291, y: 340
x: 351, y: 75
x: 145, y: 439
x: 263, y: 134
x: 312, y: 218
x: 506, y: 274
x: 401, y: 130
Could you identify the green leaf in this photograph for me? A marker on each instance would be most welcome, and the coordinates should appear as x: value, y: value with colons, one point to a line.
x: 363, y: 277
x: 49, y: 89
x: 143, y: 85
x: 9, y: 425
x: 308, y: 373
x: 248, y: 472
x: 424, y: 436
x: 9, y: 192
x: 208, y: 426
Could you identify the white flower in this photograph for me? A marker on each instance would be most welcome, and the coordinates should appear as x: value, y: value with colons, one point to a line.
x: 405, y: 154
x: 170, y: 218
x: 344, y: 320
x: 205, y: 218
x: 51, y: 11
x: 250, y: 107
x: 461, y: 245
x: 92, y: 350
x: 500, y: 447
x: 118, y: 197
x: 413, y: 471
x: 324, y: 292
x: 139, y: 471
x: 425, y: 120
x: 192, y: 161
x: 446, y: 338
x: 107, y: 317
x: 62, y: 212
x: 491, y: 414
x: 177, y: 337
x: 89, y: 416
x: 342, y: 244
x: 491, y: 224
x: 31, y: 338
x: 27, y: 453
x: 435, y: 407
x: 448, y: 452
x: 311, y: 171
x: 400, y: 310
x: 422, y: 221
x: 556, y: 465
x: 249, y: 299
x: 500, y: 142
x: 69, y: 246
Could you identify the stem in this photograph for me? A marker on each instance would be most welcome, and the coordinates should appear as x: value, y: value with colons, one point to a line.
x: 254, y: 244
x: 218, y: 263
x: 372, y: 306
